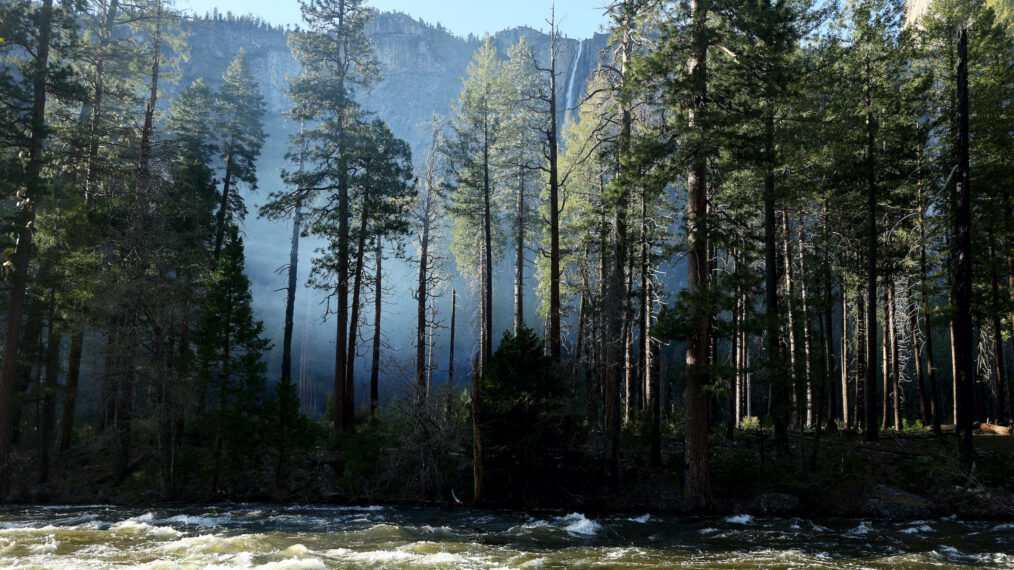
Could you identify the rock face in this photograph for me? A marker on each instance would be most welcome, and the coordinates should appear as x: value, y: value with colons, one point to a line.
x: 422, y: 68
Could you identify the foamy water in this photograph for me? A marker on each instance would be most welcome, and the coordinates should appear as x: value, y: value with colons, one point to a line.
x: 312, y: 537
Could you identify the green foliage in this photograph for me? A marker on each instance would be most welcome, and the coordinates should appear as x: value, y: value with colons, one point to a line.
x: 530, y: 431
x: 231, y: 347
x: 478, y: 118
x: 239, y: 125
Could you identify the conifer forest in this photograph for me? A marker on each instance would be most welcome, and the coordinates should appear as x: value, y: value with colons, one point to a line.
x: 729, y: 256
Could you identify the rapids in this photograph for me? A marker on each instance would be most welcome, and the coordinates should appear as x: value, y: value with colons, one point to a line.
x: 276, y: 537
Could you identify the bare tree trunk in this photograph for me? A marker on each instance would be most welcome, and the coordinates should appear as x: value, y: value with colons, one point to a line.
x: 935, y: 400
x: 886, y: 362
x: 924, y: 403
x: 892, y: 302
x: 790, y: 330
x: 807, y: 332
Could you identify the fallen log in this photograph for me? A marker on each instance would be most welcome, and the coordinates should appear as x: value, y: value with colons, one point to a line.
x: 993, y: 428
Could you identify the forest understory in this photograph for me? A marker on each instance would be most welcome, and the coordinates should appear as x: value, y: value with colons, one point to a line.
x: 909, y: 475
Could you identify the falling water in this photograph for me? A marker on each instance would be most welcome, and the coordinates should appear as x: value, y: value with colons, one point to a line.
x: 572, y: 79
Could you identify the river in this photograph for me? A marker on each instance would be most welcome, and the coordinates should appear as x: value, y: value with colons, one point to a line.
x: 276, y: 537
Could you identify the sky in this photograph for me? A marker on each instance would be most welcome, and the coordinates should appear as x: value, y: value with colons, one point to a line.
x: 577, y: 18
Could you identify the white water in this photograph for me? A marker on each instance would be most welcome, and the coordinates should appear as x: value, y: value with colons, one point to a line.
x: 314, y: 537
x: 572, y: 79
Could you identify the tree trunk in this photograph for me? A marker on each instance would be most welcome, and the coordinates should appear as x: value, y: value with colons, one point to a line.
x: 807, y: 333
x: 999, y: 375
x: 519, y: 255
x: 886, y: 363
x: 105, y: 36
x: 653, y: 384
x: 790, y: 329
x: 223, y: 207
x: 846, y: 420
x: 696, y: 481
x: 778, y: 402
x: 861, y: 352
x: 892, y: 302
x: 486, y: 309
x: 22, y: 250
x: 375, y: 366
x: 293, y: 273
x: 353, y: 339
x: 936, y: 405
x: 476, y: 441
x: 924, y: 404
x: 872, y: 235
x: 554, y: 207
x: 965, y: 348
x: 46, y: 425
x: 421, y: 296
x: 342, y: 419
x: 642, y: 338
x: 70, y: 395
x: 450, y: 356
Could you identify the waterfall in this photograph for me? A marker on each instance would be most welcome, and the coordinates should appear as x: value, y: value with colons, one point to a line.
x: 571, y: 79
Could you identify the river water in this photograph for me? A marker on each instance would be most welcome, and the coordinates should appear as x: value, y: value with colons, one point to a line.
x: 267, y: 536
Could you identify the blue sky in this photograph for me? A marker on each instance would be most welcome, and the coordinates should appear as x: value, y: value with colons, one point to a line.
x: 578, y: 18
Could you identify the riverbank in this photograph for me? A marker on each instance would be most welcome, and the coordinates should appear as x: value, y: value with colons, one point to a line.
x: 904, y: 476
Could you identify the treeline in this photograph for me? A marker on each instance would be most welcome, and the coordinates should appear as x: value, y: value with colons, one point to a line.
x: 245, y: 20
x: 833, y: 182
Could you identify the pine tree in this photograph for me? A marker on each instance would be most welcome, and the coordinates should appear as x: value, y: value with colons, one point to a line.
x: 239, y: 125
x: 337, y: 59
x: 36, y: 37
x: 477, y: 125
x: 230, y: 340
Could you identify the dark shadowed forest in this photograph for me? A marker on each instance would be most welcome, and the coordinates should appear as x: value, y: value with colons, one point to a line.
x: 759, y: 258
